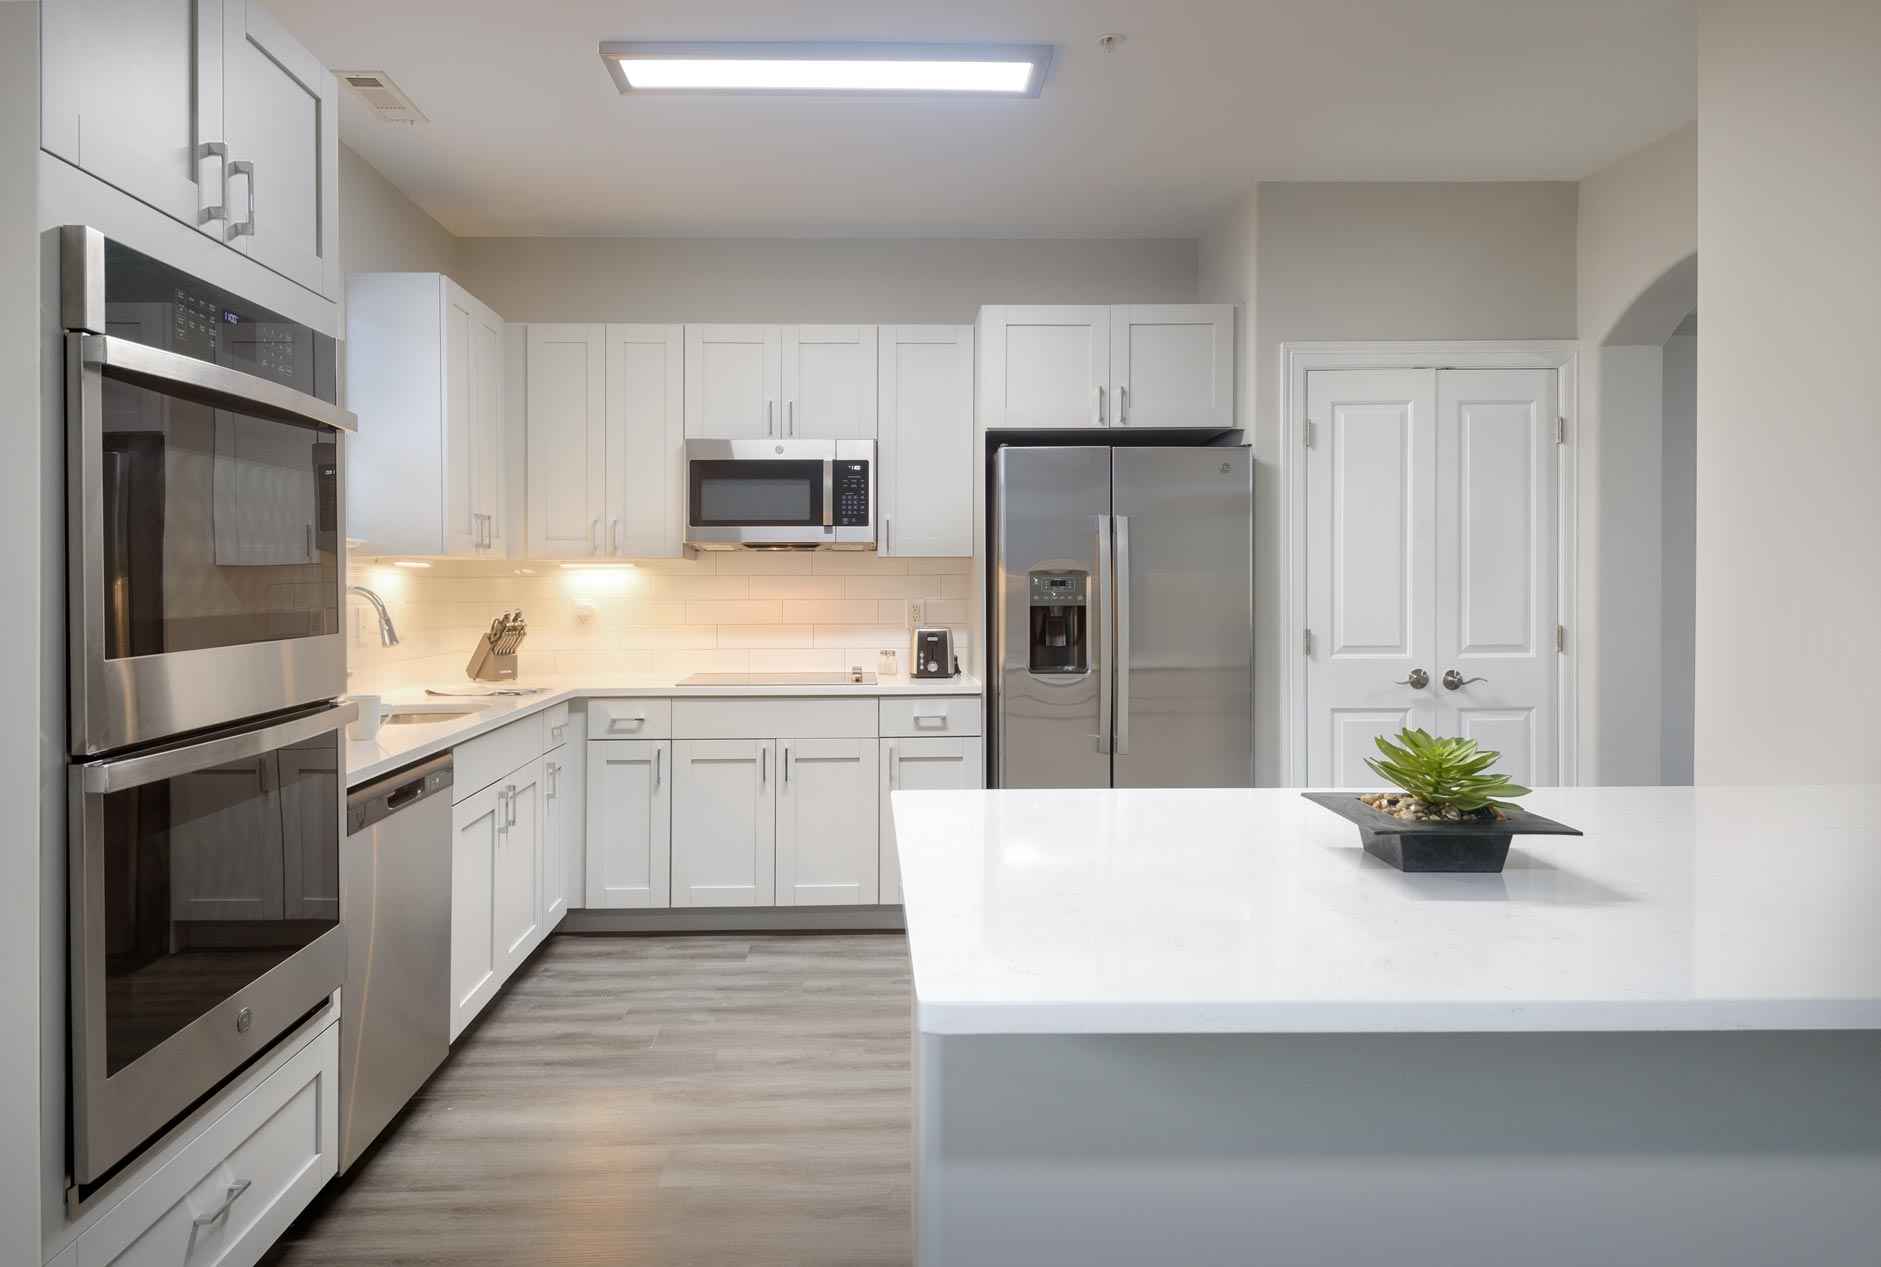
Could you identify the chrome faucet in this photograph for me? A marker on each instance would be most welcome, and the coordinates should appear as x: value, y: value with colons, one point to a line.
x: 388, y: 636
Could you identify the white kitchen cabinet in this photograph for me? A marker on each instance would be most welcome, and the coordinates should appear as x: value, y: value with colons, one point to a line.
x: 567, y: 430
x: 477, y: 824
x: 1142, y: 366
x: 1172, y: 365
x: 131, y: 91
x: 646, y: 441
x: 724, y: 822
x: 630, y: 823
x: 922, y: 765
x: 828, y: 840
x: 426, y: 371
x: 925, y: 480
x: 518, y: 873
x: 281, y: 115
x: 829, y: 387
x: 734, y: 376
x: 1045, y: 366
x: 558, y: 818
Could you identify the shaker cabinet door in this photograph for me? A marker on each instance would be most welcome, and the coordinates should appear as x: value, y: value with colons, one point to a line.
x: 724, y: 822
x: 630, y: 823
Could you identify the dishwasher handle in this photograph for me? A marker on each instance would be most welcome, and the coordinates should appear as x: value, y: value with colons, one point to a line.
x: 380, y: 799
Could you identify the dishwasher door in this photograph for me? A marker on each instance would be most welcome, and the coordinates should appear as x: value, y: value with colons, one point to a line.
x: 395, y: 1010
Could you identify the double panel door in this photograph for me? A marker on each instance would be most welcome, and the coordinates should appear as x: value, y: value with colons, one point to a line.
x: 1431, y: 565
x: 801, y: 382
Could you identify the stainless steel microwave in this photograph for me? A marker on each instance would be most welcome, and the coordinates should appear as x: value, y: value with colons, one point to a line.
x: 780, y: 494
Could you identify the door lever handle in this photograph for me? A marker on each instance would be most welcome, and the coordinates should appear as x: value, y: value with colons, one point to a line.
x: 1417, y: 681
x: 1454, y: 681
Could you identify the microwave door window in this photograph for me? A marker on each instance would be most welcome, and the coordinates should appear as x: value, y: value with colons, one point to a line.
x: 768, y: 494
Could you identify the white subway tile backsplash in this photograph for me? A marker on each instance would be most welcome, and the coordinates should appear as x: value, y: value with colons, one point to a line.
x: 799, y: 587
x: 732, y: 637
x: 745, y: 612
x: 843, y: 612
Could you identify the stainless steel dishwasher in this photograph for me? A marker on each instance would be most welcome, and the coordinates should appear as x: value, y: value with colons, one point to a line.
x: 395, y: 882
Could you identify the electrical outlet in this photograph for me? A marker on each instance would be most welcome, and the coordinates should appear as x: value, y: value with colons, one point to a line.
x: 584, y: 611
x: 917, y: 613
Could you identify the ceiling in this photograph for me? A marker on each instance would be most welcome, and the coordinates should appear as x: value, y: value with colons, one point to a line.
x: 529, y: 136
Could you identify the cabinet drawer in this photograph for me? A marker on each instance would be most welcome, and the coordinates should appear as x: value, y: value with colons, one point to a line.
x: 630, y: 718
x: 917, y: 715
x: 725, y: 718
x: 278, y: 1146
x: 555, y: 726
x: 487, y: 758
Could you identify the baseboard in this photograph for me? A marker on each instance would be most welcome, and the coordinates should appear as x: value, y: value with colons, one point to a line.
x: 739, y: 919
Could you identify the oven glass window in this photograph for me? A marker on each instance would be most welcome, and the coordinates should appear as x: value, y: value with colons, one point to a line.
x: 768, y: 494
x: 211, y: 879
x: 218, y: 528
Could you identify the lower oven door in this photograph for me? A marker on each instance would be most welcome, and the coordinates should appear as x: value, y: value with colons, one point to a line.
x: 205, y: 917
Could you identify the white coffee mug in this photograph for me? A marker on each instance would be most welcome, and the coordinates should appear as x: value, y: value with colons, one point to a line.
x: 371, y: 713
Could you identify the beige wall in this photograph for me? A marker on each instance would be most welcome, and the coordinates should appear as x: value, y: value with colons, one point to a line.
x: 1375, y: 262
x: 1789, y: 430
x: 1638, y: 218
x: 383, y: 231
x: 705, y: 279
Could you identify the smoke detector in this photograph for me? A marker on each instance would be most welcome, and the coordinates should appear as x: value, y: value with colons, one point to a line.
x: 383, y: 97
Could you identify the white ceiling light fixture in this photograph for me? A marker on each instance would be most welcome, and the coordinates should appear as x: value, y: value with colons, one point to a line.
x: 848, y: 69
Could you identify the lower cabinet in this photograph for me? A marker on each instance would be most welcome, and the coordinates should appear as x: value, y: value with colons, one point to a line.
x: 630, y: 823
x: 496, y: 893
x: 724, y: 822
x: 922, y: 765
x: 559, y: 818
x: 827, y: 838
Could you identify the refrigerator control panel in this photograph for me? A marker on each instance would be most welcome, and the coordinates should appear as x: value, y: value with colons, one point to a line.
x: 1058, y: 589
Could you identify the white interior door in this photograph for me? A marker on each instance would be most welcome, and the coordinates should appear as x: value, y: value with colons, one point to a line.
x: 567, y: 441
x: 1431, y: 548
x: 1172, y: 365
x: 829, y: 382
x: 1495, y: 573
x: 1047, y: 365
x: 733, y: 381
x: 646, y: 440
x: 1371, y: 532
x: 828, y: 829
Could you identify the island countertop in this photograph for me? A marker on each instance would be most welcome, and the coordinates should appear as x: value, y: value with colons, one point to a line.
x: 1255, y: 911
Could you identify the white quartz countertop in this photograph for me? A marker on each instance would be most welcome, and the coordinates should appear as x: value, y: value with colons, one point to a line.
x: 398, y: 746
x: 1245, y: 911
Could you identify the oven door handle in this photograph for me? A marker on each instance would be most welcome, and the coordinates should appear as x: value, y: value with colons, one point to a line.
x: 122, y: 773
x: 207, y: 384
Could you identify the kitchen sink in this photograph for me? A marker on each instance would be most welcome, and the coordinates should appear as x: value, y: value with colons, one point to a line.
x: 424, y: 715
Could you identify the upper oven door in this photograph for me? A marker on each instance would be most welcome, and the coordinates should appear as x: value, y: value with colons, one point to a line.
x: 784, y: 493
x: 205, y: 917
x: 204, y: 538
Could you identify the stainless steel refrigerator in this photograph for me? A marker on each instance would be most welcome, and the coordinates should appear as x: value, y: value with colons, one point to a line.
x: 1123, y: 617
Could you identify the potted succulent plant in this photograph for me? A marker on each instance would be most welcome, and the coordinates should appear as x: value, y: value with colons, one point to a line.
x: 1452, y: 812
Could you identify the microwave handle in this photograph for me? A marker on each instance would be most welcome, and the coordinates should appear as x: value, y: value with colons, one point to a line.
x: 104, y: 777
x: 829, y: 492
x: 213, y: 385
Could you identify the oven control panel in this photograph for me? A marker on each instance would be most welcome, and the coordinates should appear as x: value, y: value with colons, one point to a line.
x: 852, y: 495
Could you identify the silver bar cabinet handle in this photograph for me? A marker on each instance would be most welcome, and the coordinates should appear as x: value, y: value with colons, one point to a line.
x: 1100, y: 404
x: 242, y: 167
x: 770, y: 416
x: 1122, y: 585
x: 1106, y: 583
x: 790, y: 417
x: 594, y: 536
x: 888, y: 534
x: 1123, y: 406
x: 786, y: 765
x: 215, y: 149
x: 236, y: 1189
x: 616, y: 534
x: 891, y: 765
x: 764, y: 766
x: 659, y: 759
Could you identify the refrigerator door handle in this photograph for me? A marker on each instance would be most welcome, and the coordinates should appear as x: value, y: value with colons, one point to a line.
x: 1106, y: 586
x: 1121, y: 582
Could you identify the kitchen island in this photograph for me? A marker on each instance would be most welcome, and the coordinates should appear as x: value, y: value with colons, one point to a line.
x: 1202, y: 1026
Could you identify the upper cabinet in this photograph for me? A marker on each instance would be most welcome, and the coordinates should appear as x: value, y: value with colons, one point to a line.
x: 925, y: 453
x: 425, y: 372
x: 1143, y: 366
x: 606, y: 441
x: 206, y: 110
x: 757, y: 382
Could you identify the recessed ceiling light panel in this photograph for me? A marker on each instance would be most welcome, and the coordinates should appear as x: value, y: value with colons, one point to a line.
x: 914, y: 70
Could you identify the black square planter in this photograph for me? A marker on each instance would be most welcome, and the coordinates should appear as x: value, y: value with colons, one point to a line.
x: 1437, y: 846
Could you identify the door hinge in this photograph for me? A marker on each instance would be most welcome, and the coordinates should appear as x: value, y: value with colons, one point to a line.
x: 1309, y: 433
x: 1306, y: 642
x: 1560, y: 430
x: 1560, y: 638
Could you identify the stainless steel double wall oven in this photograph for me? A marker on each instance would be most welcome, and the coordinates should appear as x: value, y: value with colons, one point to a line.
x: 205, y: 502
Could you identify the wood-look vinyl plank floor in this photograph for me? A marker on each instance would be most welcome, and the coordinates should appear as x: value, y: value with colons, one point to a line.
x: 679, y: 1101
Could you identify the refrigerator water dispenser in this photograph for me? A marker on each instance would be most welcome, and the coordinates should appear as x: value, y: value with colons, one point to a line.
x: 1060, y: 630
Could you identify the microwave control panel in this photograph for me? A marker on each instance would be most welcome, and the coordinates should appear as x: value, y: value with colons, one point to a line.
x: 852, y: 495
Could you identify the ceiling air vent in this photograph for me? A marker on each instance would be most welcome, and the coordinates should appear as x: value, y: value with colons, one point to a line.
x: 381, y: 95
